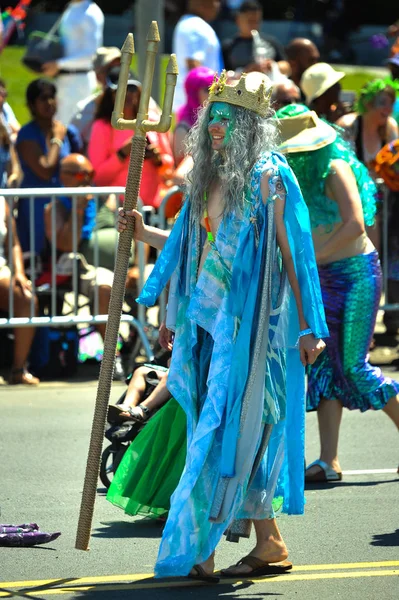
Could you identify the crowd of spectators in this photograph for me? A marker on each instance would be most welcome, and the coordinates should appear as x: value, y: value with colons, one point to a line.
x: 69, y: 140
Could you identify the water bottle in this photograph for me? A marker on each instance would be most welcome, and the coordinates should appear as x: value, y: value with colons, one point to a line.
x: 262, y: 52
x: 261, y: 49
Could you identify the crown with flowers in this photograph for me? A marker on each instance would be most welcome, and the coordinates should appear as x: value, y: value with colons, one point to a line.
x: 257, y: 99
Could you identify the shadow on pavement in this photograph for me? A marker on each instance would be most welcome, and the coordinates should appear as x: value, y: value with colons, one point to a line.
x: 146, y: 528
x: 182, y: 592
x: 26, y: 592
x: 339, y: 484
x: 386, y: 539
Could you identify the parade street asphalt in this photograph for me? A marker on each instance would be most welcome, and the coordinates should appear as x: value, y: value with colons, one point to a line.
x: 345, y: 546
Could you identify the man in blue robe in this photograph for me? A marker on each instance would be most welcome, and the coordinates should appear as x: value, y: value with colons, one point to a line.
x: 245, y: 308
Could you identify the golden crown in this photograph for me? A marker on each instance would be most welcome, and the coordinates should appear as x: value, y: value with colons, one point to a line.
x: 257, y: 98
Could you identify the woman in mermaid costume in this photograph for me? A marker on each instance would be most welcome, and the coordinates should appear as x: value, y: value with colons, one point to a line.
x: 341, y: 199
x: 245, y: 307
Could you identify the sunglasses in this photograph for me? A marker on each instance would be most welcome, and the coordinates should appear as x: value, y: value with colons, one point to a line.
x: 80, y: 175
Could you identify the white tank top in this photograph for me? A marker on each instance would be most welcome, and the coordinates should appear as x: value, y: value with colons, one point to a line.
x: 3, y: 230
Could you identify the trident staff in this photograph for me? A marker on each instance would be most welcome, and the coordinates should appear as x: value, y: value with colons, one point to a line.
x: 141, y: 125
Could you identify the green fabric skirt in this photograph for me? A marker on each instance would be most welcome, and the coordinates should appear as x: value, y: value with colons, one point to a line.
x: 152, y: 465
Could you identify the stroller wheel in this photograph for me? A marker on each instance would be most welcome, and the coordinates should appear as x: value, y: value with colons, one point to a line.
x: 110, y: 459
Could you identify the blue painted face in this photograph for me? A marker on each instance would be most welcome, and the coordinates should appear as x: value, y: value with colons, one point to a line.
x: 221, y: 124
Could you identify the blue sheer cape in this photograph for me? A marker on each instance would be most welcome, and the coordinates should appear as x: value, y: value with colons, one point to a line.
x: 234, y: 320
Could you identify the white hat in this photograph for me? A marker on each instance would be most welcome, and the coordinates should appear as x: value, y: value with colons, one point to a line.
x: 317, y: 79
x: 104, y: 56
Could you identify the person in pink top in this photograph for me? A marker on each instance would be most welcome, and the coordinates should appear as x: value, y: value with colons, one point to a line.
x: 109, y: 148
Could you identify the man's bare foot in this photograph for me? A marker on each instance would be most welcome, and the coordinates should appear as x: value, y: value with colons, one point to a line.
x: 269, y: 551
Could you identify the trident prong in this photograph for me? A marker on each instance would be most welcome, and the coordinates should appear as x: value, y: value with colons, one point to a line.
x: 141, y: 124
x: 127, y: 52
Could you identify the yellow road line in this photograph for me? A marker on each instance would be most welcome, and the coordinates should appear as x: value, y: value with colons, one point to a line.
x: 271, y: 580
x: 139, y: 576
x: 357, y: 565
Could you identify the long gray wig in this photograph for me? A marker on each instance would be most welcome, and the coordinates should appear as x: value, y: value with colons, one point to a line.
x: 252, y: 136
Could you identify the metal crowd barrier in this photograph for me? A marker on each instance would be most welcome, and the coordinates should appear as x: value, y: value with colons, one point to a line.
x: 154, y: 218
x: 74, y: 318
x: 387, y: 198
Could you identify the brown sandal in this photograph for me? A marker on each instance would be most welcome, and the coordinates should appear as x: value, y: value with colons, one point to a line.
x: 259, y: 568
x: 22, y: 376
x: 202, y: 575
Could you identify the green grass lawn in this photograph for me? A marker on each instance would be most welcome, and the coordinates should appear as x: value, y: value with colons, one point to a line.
x: 18, y: 77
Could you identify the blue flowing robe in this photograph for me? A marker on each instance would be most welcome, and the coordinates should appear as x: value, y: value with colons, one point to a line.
x: 243, y: 300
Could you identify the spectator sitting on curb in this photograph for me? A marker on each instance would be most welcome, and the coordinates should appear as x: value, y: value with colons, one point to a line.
x: 322, y: 88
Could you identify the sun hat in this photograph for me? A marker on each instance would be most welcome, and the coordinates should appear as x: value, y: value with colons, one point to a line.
x: 105, y: 56
x: 317, y: 79
x: 301, y: 130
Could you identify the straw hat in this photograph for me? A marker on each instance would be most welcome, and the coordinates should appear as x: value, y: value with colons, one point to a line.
x: 105, y: 56
x: 317, y: 79
x: 302, y: 131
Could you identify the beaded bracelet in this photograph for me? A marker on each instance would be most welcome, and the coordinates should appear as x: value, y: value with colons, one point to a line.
x: 304, y: 332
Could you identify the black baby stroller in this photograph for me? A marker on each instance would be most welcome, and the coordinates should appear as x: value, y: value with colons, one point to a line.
x: 121, y: 434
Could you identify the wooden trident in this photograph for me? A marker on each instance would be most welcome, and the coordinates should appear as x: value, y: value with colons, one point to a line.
x: 140, y: 126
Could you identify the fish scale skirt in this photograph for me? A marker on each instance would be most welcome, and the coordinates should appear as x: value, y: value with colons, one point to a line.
x: 351, y: 290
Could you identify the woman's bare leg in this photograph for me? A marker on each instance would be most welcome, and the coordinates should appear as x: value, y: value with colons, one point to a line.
x: 392, y: 409
x: 158, y: 397
x: 329, y: 414
x: 136, y: 388
x: 23, y: 336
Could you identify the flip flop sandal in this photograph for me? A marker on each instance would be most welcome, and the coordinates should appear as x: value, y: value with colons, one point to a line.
x: 201, y: 575
x: 259, y: 568
x: 325, y: 475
